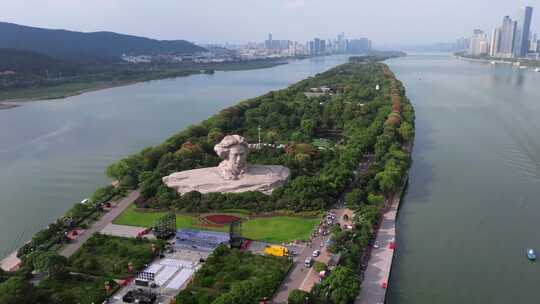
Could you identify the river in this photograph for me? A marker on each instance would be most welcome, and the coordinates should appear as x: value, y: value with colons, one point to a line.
x: 472, y: 206
x: 54, y: 153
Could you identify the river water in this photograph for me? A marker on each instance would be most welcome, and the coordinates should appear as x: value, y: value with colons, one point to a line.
x: 472, y: 206
x: 54, y: 153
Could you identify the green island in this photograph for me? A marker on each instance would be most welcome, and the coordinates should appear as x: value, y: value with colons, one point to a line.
x: 362, y: 113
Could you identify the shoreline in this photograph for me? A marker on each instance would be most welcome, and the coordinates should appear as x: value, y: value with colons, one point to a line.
x: 11, y: 103
x: 376, y: 279
x: 17, y: 102
x: 522, y: 63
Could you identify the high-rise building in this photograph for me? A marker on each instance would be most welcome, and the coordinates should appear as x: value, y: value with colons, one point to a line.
x: 268, y: 43
x: 462, y: 44
x: 506, y: 42
x: 521, y: 38
x: 317, y: 50
x: 322, y: 47
x: 479, y: 44
x: 341, y: 43
x: 359, y: 46
x: 533, y: 45
x: 495, y: 42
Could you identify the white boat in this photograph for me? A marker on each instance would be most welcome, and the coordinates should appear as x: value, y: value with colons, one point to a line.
x: 531, y: 254
x: 523, y: 67
x: 537, y: 70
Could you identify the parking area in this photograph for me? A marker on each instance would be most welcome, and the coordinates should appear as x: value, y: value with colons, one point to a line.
x: 302, y: 276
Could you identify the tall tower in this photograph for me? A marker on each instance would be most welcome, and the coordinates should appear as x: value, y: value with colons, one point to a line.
x: 523, y: 29
x: 508, y: 33
x: 495, y: 42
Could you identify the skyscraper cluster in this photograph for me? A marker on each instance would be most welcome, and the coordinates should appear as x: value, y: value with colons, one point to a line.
x: 512, y: 39
x: 276, y: 48
x: 341, y: 45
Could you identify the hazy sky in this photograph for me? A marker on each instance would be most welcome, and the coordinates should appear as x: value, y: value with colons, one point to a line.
x: 236, y: 21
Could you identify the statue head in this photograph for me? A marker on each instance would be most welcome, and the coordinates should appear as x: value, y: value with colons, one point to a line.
x: 233, y: 149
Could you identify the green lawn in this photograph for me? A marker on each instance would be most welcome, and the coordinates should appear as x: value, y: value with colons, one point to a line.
x: 131, y: 217
x: 277, y: 229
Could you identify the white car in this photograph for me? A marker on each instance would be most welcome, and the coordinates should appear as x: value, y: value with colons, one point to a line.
x: 316, y: 253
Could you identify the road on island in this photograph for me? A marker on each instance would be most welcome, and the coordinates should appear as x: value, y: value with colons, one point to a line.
x: 377, y: 273
x: 106, y: 219
x: 304, y: 278
x: 301, y: 277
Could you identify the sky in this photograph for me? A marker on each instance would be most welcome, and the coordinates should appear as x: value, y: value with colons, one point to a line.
x: 386, y: 22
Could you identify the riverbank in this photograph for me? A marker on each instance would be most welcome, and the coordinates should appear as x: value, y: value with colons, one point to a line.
x: 381, y: 256
x: 524, y: 63
x: 8, y: 105
x: 13, y: 98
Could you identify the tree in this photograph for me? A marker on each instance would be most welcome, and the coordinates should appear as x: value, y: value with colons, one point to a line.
x: 16, y: 291
x: 352, y: 198
x: 342, y: 285
x: 51, y: 263
x: 375, y: 199
x: 319, y: 266
x: 298, y: 296
x: 406, y: 131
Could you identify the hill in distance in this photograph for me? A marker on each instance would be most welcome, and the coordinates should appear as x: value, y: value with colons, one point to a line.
x: 75, y: 45
x: 32, y: 63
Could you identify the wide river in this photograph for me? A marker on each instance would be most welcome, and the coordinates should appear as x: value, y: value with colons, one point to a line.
x: 472, y: 205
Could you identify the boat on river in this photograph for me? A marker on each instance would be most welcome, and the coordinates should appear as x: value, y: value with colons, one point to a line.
x: 537, y: 70
x: 531, y: 254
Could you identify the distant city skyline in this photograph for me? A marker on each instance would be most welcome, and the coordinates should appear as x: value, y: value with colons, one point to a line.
x: 512, y: 39
x: 386, y: 23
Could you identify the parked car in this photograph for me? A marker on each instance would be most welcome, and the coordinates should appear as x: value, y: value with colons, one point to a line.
x: 316, y: 253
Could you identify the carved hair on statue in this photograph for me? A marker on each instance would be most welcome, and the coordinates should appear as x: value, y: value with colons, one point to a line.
x: 222, y: 149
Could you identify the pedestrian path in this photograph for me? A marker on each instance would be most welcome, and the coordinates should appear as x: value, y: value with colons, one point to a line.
x: 377, y: 273
x: 11, y: 262
x: 106, y: 219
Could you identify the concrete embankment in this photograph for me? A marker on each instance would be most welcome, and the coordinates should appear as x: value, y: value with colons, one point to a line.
x: 377, y: 273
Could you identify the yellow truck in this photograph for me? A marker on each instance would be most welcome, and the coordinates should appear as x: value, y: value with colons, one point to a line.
x: 276, y: 250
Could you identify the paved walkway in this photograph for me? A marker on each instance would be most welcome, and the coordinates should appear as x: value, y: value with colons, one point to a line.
x: 11, y: 262
x: 378, y: 269
x: 122, y: 230
x: 106, y: 219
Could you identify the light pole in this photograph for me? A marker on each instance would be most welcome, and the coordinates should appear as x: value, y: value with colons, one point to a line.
x: 259, y: 129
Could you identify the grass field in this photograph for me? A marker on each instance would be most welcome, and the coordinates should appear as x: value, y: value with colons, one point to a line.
x: 279, y: 229
x: 131, y: 217
x: 276, y: 229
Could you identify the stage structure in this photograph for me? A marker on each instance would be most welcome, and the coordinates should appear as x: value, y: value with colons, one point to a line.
x: 201, y: 239
x: 235, y: 234
x: 165, y: 226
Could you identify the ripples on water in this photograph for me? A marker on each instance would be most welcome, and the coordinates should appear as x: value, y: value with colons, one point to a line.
x: 472, y: 205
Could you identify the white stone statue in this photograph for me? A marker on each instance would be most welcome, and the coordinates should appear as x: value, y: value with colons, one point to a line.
x: 232, y: 175
x: 233, y: 149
